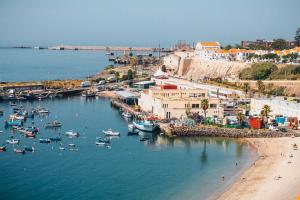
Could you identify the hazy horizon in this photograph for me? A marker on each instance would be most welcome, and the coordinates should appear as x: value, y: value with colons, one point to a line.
x: 136, y: 23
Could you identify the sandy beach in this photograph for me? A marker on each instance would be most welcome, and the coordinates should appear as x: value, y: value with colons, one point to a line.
x: 275, y: 175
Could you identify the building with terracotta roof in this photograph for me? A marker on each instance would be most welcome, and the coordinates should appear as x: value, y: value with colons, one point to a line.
x: 207, y: 50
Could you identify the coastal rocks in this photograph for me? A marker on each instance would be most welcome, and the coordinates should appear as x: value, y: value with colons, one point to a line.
x: 210, y: 131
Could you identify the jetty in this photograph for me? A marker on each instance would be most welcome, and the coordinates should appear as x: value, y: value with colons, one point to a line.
x: 108, y: 48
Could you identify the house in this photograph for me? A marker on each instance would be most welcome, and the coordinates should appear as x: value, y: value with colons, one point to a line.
x: 176, y: 103
x: 207, y: 50
x: 278, y: 107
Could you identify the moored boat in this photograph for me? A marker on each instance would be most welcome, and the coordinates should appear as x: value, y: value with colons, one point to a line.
x: 110, y: 132
x: 56, y: 139
x: 20, y: 151
x: 102, y: 141
x: 13, y: 141
x: 2, y: 148
x: 72, y: 133
x: 88, y: 94
x: 54, y: 124
x: 46, y: 141
x: 127, y: 115
x: 30, y: 149
x: 145, y: 125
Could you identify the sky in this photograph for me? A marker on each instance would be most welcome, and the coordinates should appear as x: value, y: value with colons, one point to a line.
x: 145, y: 23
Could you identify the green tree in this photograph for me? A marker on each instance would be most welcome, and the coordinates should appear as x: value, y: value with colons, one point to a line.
x: 163, y: 68
x: 227, y: 47
x: 279, y: 44
x: 240, y: 117
x: 260, y: 86
x: 129, y: 74
x: 204, y: 106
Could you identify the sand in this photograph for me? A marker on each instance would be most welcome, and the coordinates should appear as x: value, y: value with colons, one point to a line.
x: 275, y: 175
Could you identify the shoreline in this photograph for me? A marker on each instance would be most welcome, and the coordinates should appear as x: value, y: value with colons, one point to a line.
x: 274, y: 175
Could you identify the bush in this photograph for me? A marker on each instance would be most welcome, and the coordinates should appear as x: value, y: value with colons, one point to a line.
x: 290, y: 72
x: 258, y: 71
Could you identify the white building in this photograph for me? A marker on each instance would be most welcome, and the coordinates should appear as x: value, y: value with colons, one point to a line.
x: 207, y: 50
x: 175, y: 103
x: 278, y: 107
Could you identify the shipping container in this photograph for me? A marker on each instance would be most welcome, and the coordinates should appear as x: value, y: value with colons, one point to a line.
x: 255, y: 122
x: 168, y: 87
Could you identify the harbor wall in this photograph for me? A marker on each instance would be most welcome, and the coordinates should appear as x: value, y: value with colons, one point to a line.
x: 212, y: 131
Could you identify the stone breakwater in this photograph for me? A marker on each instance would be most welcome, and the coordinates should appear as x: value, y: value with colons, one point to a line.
x: 223, y: 132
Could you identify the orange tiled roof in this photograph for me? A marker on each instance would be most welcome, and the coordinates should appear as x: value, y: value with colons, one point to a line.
x: 296, y: 49
x: 210, y: 44
x: 222, y: 51
x: 237, y: 50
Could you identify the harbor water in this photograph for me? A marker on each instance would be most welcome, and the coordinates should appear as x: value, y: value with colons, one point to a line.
x: 159, y: 168
x: 37, y: 65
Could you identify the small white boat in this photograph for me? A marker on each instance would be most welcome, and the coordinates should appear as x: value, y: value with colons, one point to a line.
x: 72, y: 145
x: 127, y: 115
x: 61, y: 148
x: 110, y: 132
x: 130, y: 128
x: 13, y: 141
x: 72, y: 133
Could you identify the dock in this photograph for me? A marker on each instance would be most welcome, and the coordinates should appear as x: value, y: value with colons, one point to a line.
x: 124, y: 107
x: 108, y: 48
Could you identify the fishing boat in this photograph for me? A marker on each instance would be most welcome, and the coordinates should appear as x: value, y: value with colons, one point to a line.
x: 61, y: 148
x: 54, y: 124
x: 110, y: 132
x: 2, y: 148
x: 45, y: 141
x: 40, y: 110
x: 20, y: 151
x: 13, y: 122
x: 30, y: 149
x: 88, y: 93
x: 30, y: 135
x: 56, y: 139
x: 13, y: 141
x: 72, y: 133
x: 145, y: 125
x: 127, y: 115
x: 102, y: 141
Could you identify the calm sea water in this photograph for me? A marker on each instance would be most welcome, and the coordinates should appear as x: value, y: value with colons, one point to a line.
x: 162, y: 168
x: 35, y: 65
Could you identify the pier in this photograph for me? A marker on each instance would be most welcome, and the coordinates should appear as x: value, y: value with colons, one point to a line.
x: 124, y: 107
x: 108, y: 48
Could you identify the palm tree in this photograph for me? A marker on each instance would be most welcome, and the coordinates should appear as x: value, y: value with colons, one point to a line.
x: 204, y: 106
x: 266, y: 109
x: 240, y: 117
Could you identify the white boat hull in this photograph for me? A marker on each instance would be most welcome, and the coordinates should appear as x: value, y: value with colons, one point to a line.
x: 144, y: 127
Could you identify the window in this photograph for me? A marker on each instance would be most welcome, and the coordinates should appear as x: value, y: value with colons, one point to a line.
x: 213, y: 105
x: 195, y: 105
